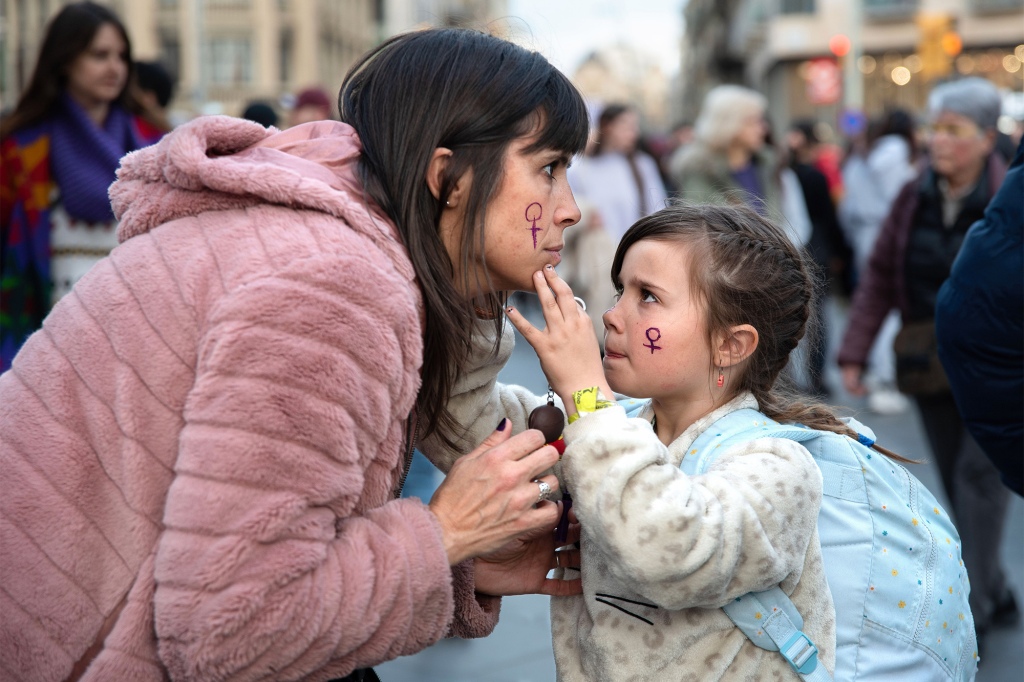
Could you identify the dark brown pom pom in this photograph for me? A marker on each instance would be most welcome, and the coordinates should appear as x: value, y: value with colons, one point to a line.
x: 549, y: 420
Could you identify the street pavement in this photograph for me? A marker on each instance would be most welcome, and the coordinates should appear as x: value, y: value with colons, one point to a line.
x: 519, y: 650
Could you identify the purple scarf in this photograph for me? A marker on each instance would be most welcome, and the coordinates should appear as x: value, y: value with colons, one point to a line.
x: 84, y: 157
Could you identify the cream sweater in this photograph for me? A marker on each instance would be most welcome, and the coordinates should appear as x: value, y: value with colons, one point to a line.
x: 663, y: 551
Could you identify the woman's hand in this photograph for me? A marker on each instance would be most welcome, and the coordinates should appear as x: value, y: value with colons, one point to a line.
x: 490, y: 496
x: 567, y: 348
x: 521, y: 566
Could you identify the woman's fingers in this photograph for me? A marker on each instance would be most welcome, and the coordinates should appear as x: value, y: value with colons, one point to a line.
x: 493, y: 494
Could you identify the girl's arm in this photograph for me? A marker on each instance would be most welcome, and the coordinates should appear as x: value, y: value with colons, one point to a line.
x: 690, y: 541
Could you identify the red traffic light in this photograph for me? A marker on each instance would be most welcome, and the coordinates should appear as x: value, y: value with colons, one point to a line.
x: 839, y: 45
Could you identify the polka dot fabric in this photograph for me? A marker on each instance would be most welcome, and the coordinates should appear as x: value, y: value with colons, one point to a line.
x: 891, y: 554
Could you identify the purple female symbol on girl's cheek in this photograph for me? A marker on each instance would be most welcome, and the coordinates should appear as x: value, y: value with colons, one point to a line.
x: 533, y: 219
x: 652, y: 340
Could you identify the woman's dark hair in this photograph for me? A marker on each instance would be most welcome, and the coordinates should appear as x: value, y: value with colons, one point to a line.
x: 68, y: 35
x: 607, y: 117
x: 900, y: 122
x: 474, y: 94
x: 749, y: 273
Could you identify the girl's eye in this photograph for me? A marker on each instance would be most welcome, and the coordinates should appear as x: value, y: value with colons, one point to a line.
x: 549, y: 170
x: 647, y: 297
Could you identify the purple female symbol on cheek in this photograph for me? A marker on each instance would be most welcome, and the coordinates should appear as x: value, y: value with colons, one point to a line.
x: 656, y: 338
x: 533, y: 219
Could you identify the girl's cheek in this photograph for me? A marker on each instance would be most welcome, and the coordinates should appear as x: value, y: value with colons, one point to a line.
x: 653, y: 336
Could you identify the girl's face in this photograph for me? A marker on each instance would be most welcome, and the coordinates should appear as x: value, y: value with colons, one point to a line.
x: 527, y: 215
x: 98, y: 75
x: 656, y: 344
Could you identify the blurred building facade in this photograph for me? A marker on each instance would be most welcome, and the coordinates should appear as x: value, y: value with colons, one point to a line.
x: 620, y: 74
x: 227, y: 52
x: 813, y: 58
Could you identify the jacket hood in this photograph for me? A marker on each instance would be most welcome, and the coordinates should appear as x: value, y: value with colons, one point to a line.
x: 218, y: 163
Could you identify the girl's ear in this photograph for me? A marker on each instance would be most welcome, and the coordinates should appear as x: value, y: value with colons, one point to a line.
x: 436, y: 171
x: 736, y: 345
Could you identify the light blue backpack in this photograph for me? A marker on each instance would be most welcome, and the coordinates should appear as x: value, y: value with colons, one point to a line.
x: 892, y: 561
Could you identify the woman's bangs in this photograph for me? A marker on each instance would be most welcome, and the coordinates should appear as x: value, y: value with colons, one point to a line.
x: 563, y: 124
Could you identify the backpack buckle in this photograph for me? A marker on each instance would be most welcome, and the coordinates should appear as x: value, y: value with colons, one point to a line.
x: 801, y: 653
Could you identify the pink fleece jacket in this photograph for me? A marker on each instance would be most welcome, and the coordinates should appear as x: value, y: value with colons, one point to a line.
x: 199, y: 450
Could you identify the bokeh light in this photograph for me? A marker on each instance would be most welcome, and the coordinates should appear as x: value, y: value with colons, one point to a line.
x: 900, y: 75
x: 866, y: 64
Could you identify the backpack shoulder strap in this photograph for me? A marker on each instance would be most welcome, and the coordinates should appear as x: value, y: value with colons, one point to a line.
x: 771, y: 621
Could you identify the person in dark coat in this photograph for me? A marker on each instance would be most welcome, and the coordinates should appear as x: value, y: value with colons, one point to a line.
x: 912, y: 258
x: 827, y: 245
x: 979, y: 322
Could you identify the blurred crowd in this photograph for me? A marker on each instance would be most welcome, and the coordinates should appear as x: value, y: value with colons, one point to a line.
x: 884, y: 213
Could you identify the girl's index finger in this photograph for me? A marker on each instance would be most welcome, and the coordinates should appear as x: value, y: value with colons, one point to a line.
x: 548, y: 299
x: 523, y: 325
x: 562, y: 293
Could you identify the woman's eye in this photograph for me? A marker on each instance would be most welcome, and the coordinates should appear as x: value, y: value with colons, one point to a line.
x: 647, y: 297
x: 549, y: 170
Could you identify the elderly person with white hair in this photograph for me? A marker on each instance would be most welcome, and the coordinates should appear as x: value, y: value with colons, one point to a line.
x: 911, y: 259
x: 730, y: 162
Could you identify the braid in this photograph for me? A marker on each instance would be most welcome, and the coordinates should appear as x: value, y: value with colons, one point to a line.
x: 750, y: 273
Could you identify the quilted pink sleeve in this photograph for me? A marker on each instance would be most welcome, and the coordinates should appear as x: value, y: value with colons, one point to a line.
x: 278, y: 559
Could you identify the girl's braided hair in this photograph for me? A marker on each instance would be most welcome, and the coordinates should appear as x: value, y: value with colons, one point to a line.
x: 746, y: 270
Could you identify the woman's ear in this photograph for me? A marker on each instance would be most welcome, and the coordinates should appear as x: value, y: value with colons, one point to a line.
x: 439, y: 161
x: 738, y: 344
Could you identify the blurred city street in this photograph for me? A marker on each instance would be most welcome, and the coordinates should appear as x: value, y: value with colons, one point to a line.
x: 519, y: 650
x: 219, y: 208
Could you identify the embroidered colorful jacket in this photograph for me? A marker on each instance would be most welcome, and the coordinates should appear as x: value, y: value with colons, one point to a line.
x: 26, y: 189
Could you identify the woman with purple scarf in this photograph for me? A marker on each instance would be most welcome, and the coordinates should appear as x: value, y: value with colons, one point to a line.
x: 59, y: 151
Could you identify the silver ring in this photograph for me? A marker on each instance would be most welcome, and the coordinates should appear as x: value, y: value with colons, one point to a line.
x: 581, y: 302
x: 545, y: 491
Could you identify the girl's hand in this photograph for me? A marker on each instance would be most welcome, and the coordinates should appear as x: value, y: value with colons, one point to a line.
x: 568, y: 350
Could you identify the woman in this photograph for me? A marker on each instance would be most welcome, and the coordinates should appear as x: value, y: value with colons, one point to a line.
x: 912, y: 257
x: 59, y: 149
x: 621, y: 182
x: 203, y: 446
x: 728, y: 160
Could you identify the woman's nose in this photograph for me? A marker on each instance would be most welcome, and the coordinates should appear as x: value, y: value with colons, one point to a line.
x: 567, y: 212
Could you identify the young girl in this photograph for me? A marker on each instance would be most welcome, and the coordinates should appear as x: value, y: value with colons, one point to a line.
x: 712, y: 300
